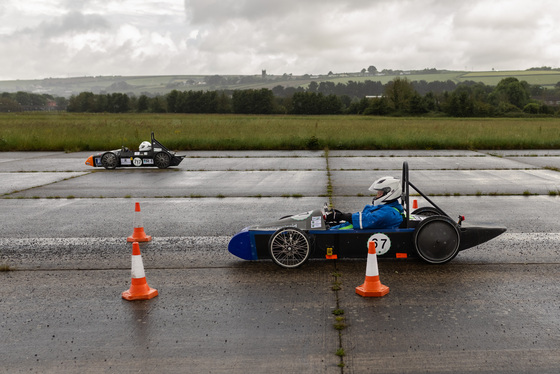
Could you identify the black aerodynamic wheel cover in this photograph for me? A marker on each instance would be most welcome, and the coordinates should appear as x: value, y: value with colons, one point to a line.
x: 437, y: 239
x: 289, y: 247
x: 426, y: 211
x: 109, y: 161
x: 162, y: 160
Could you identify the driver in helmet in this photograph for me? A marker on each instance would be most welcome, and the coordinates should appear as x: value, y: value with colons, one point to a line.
x: 145, y: 146
x: 385, y: 211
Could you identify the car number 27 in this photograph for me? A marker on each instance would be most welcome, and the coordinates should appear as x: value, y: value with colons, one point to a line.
x: 382, y: 243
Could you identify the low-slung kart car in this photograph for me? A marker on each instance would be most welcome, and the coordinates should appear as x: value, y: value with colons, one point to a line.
x: 149, y: 154
x: 427, y: 233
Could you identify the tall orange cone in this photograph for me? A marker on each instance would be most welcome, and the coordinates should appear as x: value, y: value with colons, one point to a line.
x: 139, y: 289
x: 372, y: 285
x: 415, y: 204
x: 138, y: 234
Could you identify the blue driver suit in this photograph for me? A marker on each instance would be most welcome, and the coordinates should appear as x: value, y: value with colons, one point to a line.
x: 386, y: 216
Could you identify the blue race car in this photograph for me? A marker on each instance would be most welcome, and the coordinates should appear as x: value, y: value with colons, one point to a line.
x: 427, y: 233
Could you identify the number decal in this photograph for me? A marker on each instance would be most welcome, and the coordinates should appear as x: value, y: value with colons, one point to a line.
x: 382, y: 243
x: 137, y: 161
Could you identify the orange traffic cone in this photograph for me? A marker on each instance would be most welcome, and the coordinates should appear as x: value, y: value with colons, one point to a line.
x: 138, y: 234
x: 139, y: 289
x: 372, y: 285
x: 415, y: 204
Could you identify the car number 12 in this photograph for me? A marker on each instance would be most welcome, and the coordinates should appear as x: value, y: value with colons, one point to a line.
x: 382, y: 243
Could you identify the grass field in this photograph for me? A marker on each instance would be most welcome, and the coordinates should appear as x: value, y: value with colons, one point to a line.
x: 80, y: 132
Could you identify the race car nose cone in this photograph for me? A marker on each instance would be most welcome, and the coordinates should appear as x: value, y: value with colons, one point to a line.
x: 240, y: 246
x: 89, y: 161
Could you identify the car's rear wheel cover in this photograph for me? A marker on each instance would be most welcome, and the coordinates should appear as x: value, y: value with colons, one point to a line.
x: 437, y: 239
x: 162, y: 160
x: 426, y: 211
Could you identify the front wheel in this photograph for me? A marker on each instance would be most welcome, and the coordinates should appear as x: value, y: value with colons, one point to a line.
x: 289, y: 247
x: 109, y: 161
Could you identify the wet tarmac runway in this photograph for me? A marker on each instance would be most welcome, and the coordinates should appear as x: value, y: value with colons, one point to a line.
x: 63, y: 233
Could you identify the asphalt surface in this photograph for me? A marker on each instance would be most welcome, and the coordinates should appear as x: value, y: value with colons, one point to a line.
x: 495, y: 308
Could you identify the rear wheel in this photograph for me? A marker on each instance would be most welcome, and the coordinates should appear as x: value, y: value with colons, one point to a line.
x: 289, y: 247
x: 427, y: 211
x: 109, y: 161
x: 162, y: 160
x: 437, y: 239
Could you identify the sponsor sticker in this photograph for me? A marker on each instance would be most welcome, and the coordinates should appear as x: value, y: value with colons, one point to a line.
x: 125, y: 161
x: 148, y: 161
x: 315, y: 222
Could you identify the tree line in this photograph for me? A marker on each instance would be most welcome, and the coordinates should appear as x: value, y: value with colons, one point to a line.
x: 400, y: 96
x: 24, y: 101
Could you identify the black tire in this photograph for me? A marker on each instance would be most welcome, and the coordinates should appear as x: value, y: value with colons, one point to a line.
x: 437, y: 239
x: 162, y: 160
x: 427, y: 211
x: 109, y: 161
x: 289, y: 247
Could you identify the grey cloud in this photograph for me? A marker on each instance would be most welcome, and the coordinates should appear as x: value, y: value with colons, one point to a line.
x: 74, y: 22
x: 70, y: 23
x: 208, y: 11
x: 290, y: 36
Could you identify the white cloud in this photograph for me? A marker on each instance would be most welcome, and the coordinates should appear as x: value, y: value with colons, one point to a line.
x: 99, y: 37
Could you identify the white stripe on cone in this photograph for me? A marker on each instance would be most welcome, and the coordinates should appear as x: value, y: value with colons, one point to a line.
x: 137, y: 269
x: 372, y: 269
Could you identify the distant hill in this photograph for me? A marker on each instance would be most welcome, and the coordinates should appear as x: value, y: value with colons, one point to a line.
x: 154, y: 85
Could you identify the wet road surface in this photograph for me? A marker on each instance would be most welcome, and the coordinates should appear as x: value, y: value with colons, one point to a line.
x: 64, y: 227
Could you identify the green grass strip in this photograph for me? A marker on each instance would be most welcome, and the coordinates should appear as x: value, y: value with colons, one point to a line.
x: 84, y: 132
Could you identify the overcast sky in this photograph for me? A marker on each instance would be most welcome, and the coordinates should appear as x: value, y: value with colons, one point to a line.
x: 67, y: 38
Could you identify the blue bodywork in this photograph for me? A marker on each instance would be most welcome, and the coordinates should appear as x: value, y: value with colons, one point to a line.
x: 243, y: 246
x: 427, y: 233
x: 250, y: 244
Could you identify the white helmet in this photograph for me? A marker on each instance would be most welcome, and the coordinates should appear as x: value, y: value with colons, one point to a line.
x: 391, y: 188
x: 145, y: 146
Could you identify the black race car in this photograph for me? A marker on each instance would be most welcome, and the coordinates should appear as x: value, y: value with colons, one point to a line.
x: 148, y: 154
x: 427, y: 233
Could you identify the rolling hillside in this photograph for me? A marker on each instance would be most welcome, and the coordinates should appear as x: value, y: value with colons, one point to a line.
x: 153, y: 85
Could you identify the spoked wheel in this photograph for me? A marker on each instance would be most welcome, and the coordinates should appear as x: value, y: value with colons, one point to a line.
x: 427, y: 211
x: 289, y: 247
x: 437, y: 239
x: 109, y: 161
x: 162, y: 160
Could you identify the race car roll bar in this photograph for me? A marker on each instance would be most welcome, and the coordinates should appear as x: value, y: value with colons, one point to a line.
x: 156, y: 144
x: 406, y: 184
